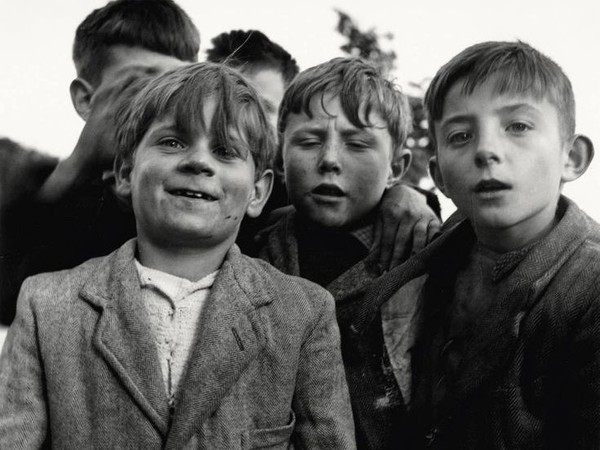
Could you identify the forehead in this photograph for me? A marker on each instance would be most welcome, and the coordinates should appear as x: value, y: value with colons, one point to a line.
x: 268, y: 83
x: 122, y: 58
x: 488, y: 98
x: 327, y: 108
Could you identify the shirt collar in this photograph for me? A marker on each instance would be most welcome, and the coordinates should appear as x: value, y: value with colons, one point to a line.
x: 173, y: 287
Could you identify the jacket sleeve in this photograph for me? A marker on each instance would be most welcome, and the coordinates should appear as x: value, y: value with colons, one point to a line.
x: 23, y: 409
x: 321, y: 400
x: 582, y: 386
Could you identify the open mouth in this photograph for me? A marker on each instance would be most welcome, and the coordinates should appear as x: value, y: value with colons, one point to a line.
x: 192, y: 194
x: 329, y: 190
x: 491, y: 186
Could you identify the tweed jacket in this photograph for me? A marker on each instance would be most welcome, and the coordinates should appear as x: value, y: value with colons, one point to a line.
x: 530, y: 375
x: 79, y: 368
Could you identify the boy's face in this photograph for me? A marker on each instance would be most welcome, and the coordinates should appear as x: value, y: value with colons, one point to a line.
x: 270, y: 87
x: 335, y: 173
x: 500, y: 158
x: 190, y: 191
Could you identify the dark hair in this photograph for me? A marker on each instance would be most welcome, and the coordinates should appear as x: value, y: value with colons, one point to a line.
x: 358, y: 84
x: 156, y: 25
x: 250, y: 49
x: 183, y: 93
x: 518, y: 68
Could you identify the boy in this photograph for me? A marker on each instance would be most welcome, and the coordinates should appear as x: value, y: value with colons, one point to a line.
x: 268, y: 66
x: 271, y: 69
x: 176, y: 340
x: 507, y: 341
x: 342, y: 128
x: 56, y: 214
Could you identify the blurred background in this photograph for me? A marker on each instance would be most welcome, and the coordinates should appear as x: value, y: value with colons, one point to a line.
x: 409, y: 39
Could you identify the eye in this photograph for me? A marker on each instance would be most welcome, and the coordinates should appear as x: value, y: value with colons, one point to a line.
x: 308, y: 143
x: 171, y: 143
x: 459, y: 138
x: 518, y: 127
x: 226, y: 153
x: 357, y: 144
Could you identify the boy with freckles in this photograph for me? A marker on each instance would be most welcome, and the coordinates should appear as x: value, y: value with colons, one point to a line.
x: 505, y: 336
x: 342, y: 128
x: 176, y: 339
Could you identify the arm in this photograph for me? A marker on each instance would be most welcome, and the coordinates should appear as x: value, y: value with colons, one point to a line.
x: 23, y: 409
x: 96, y: 147
x: 405, y: 225
x: 582, y: 386
x: 321, y: 401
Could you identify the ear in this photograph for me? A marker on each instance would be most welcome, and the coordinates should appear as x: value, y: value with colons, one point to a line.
x: 122, y: 171
x: 436, y: 175
x: 578, y: 158
x: 81, y: 96
x: 400, y: 164
x: 261, y: 193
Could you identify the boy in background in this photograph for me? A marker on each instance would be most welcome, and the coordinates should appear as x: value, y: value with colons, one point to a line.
x: 177, y: 340
x: 506, y: 327
x: 342, y: 128
x: 56, y: 214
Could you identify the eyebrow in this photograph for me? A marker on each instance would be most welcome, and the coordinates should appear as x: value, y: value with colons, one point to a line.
x: 462, y: 118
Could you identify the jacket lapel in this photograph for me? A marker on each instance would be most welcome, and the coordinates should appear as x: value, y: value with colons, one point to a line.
x: 123, y: 336
x: 229, y: 337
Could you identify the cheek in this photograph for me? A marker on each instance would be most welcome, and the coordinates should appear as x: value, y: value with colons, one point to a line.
x: 297, y: 170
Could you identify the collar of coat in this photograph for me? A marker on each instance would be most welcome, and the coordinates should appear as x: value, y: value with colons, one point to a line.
x: 534, y: 268
x: 280, y: 248
x: 229, y: 336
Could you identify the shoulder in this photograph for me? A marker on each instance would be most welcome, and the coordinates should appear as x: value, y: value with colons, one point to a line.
x: 295, y: 294
x: 22, y: 170
x: 58, y: 289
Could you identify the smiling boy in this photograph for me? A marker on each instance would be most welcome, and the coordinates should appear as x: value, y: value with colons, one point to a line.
x: 506, y: 335
x: 177, y: 340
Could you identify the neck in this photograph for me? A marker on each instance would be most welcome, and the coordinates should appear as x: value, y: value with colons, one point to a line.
x: 517, y: 236
x: 191, y: 263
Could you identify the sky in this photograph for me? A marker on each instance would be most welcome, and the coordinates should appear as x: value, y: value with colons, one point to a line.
x: 36, y: 38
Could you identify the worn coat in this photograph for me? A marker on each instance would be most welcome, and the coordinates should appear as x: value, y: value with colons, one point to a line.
x: 375, y: 390
x: 530, y: 377
x: 79, y: 368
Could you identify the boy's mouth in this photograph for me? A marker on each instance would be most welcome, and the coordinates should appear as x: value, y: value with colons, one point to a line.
x: 329, y: 190
x: 192, y: 194
x: 486, y: 186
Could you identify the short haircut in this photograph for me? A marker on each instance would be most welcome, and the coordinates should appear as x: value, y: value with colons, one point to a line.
x: 157, y: 25
x: 248, y: 50
x: 518, y: 68
x: 358, y: 84
x: 183, y: 93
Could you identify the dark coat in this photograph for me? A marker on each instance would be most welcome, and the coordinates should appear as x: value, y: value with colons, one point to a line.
x: 79, y: 368
x: 530, y: 376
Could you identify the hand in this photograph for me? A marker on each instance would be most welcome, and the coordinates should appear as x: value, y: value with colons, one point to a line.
x: 96, y: 147
x: 405, y: 225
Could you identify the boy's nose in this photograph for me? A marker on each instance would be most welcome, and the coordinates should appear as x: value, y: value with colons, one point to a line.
x: 329, y: 160
x: 487, y: 152
x: 197, y: 160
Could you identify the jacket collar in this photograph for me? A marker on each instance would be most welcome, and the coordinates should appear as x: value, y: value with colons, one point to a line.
x: 228, y: 338
x: 281, y: 250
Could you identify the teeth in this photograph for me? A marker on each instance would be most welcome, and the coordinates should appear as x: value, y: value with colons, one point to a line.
x: 193, y: 194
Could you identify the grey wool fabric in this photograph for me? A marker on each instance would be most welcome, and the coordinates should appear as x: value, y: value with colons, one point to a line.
x: 79, y: 368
